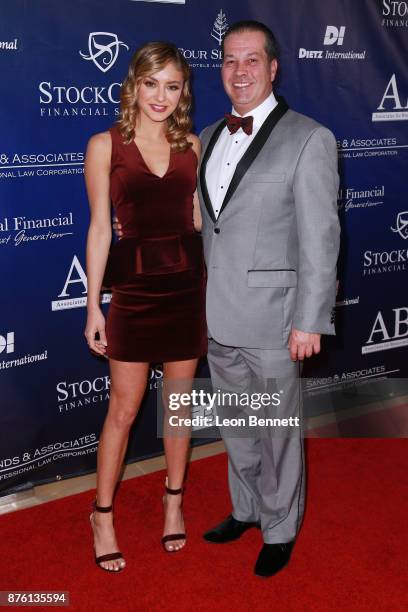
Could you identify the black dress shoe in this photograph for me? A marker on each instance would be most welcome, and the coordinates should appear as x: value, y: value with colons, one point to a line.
x: 273, y: 558
x: 228, y: 531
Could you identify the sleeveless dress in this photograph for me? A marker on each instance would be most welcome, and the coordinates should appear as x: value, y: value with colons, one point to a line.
x: 156, y: 270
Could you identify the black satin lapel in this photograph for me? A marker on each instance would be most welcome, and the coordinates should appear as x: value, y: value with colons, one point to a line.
x: 207, y: 153
x: 254, y: 148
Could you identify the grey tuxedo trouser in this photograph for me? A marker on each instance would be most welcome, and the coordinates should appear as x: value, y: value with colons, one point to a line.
x: 266, y: 469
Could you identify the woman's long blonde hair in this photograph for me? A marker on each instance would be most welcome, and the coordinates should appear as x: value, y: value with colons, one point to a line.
x: 147, y: 60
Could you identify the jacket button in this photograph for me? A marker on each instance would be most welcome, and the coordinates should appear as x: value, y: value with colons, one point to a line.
x: 216, y: 230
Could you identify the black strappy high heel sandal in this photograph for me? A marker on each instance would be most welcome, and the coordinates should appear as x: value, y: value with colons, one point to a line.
x: 171, y: 537
x: 110, y: 556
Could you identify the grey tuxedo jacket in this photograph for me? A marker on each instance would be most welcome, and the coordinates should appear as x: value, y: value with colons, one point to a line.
x: 271, y: 255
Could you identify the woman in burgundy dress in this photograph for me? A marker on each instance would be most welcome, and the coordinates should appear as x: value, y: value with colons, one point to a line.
x: 146, y: 166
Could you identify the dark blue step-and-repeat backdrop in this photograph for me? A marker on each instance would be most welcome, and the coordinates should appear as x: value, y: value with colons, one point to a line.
x: 343, y: 63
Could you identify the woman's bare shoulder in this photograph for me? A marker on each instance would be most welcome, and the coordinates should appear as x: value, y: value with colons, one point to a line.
x: 100, y: 146
x: 195, y: 144
x: 195, y: 141
x: 100, y: 141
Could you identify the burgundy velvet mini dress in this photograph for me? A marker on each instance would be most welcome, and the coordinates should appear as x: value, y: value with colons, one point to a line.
x: 156, y: 270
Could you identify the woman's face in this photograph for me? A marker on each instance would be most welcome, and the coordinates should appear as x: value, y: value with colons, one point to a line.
x: 159, y: 93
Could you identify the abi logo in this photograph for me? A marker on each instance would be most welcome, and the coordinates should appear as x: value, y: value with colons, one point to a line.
x: 103, y: 49
x: 76, y: 283
x: 384, y: 335
x: 334, y: 35
x: 393, y: 107
x: 80, y: 278
x: 402, y: 224
x: 7, y: 343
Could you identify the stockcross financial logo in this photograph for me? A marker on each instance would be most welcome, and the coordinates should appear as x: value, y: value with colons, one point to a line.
x: 82, y: 393
x: 393, y: 106
x: 209, y: 58
x: 88, y: 392
x: 75, y: 288
x: 395, y: 260
x: 401, y: 226
x: 7, y: 343
x: 92, y: 99
x: 389, y: 331
x: 103, y: 49
x: 334, y: 36
x: 394, y: 13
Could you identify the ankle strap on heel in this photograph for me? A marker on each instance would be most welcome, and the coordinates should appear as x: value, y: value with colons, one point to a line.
x: 173, y: 491
x: 101, y: 508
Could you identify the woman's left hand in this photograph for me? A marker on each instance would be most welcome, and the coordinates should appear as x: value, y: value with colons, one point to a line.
x: 95, y: 325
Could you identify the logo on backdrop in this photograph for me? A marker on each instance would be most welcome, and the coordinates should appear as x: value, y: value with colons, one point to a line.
x: 401, y: 226
x: 79, y: 394
x: 83, y: 393
x: 61, y: 100
x: 74, y: 290
x: 350, y: 198
x: 8, y: 346
x: 8, y: 45
x: 103, y: 49
x: 155, y: 376
x: 314, y: 386
x: 33, y: 459
x: 396, y: 260
x: 393, y: 106
x: 220, y: 27
x: 17, y: 231
x: 7, y: 343
x: 25, y: 165
x: 388, y: 332
x: 360, y: 148
x: 333, y: 36
x: 209, y: 58
x: 395, y: 13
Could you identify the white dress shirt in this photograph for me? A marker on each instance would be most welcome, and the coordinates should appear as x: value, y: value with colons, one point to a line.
x: 228, y: 151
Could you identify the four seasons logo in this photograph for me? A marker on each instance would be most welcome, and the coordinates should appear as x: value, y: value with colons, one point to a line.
x: 204, y: 58
x: 220, y: 27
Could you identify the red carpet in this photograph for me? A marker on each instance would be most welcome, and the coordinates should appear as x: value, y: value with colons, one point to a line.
x: 351, y: 553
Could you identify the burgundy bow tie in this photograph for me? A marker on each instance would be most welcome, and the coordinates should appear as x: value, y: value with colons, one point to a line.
x: 234, y: 123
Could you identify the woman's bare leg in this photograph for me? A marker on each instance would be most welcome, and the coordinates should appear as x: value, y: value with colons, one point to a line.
x: 178, y: 376
x: 128, y: 385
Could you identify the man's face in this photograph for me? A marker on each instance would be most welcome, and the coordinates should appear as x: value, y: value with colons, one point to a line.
x: 247, y: 74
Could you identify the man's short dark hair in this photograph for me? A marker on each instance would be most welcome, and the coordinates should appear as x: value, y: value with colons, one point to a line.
x: 271, y: 44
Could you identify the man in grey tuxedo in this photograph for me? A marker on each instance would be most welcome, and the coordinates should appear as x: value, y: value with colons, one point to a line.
x: 268, y: 192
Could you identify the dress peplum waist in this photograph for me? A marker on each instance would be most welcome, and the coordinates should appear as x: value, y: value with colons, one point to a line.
x: 132, y: 257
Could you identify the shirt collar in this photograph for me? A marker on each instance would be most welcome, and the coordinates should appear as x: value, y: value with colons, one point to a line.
x: 262, y: 111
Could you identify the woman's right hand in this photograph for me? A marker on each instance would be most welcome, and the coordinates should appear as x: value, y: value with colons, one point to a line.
x: 95, y: 324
